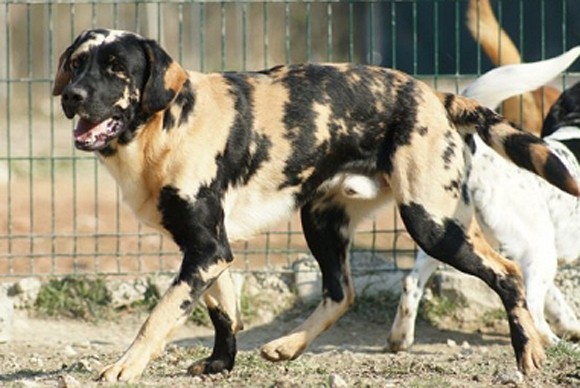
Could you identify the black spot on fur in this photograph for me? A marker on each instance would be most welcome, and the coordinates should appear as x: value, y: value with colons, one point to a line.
x: 246, y: 150
x: 354, y: 126
x: 449, y: 101
x: 224, y: 348
x: 465, y: 196
x: 448, y: 242
x: 449, y: 152
x: 186, y: 101
x: 168, y: 120
x: 518, y: 146
x: 197, y: 227
x: 328, y: 245
x: 453, y: 187
x: 400, y: 126
x: 470, y: 141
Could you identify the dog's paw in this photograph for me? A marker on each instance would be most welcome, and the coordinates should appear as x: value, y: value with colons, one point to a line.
x: 532, y: 358
x: 286, y: 348
x: 572, y: 334
x: 208, y: 366
x: 399, y: 340
x: 123, y: 370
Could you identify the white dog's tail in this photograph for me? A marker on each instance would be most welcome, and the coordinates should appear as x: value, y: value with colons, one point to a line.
x: 506, y: 81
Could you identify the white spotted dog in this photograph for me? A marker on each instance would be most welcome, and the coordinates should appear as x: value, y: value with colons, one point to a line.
x: 534, y: 223
x: 214, y: 158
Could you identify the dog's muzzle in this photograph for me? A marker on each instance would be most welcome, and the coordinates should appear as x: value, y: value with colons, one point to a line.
x: 90, y: 134
x: 96, y: 136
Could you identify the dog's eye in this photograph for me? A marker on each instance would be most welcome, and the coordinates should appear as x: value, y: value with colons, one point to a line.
x: 77, y: 62
x: 115, y: 66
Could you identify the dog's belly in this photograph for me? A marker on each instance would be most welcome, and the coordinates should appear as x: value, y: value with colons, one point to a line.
x: 250, y: 212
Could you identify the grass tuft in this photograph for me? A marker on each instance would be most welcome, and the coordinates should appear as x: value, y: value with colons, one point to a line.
x: 73, y: 297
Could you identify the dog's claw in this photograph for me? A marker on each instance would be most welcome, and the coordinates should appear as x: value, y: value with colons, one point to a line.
x: 209, y: 366
x: 122, y: 371
x: 282, y: 349
x: 532, y: 359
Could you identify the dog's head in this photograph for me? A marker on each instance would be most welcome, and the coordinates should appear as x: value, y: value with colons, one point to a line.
x: 114, y: 81
x: 565, y: 112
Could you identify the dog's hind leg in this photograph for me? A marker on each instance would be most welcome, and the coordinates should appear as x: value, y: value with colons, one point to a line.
x: 224, y: 313
x: 327, y: 232
x: 467, y: 251
x: 402, y: 332
x: 561, y: 315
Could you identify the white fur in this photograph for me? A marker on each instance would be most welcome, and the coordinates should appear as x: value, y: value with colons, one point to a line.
x: 506, y: 81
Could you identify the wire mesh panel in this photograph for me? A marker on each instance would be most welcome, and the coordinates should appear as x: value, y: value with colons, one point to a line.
x: 61, y: 213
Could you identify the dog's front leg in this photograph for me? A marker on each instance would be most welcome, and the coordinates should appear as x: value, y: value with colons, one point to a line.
x: 198, y: 228
x: 170, y: 313
x: 223, y: 309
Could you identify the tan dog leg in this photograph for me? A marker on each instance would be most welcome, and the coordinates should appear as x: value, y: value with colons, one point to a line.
x: 327, y: 233
x: 150, y: 342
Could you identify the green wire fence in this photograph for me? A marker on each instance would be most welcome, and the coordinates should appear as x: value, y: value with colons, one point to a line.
x: 60, y: 212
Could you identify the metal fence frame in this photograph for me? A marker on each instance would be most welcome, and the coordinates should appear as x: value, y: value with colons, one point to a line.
x: 42, y: 234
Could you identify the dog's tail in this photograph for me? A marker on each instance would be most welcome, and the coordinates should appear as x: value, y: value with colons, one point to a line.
x: 525, y: 150
x: 485, y: 29
x: 530, y: 107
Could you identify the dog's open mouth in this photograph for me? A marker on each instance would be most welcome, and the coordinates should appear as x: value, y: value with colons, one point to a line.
x: 95, y: 136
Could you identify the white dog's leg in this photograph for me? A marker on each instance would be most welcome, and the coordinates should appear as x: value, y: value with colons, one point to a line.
x: 561, y: 315
x: 539, y: 267
x: 402, y: 332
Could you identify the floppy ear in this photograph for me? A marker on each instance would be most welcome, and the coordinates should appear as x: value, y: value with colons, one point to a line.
x: 166, y: 78
x: 62, y: 74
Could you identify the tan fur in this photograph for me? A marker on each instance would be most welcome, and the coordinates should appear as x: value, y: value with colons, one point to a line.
x: 152, y: 336
x: 326, y: 314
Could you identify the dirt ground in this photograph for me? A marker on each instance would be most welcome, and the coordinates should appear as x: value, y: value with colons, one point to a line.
x: 66, y: 353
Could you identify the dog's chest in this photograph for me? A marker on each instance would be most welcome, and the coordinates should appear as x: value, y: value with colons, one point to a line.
x: 140, y: 191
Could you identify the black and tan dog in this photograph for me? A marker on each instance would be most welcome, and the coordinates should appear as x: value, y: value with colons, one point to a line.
x: 213, y: 158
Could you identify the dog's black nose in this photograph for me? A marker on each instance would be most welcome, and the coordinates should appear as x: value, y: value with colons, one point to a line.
x: 72, y: 98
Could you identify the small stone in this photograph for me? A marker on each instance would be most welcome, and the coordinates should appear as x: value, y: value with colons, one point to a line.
x: 335, y: 381
x: 69, y: 351
x: 67, y: 381
x: 451, y: 343
x: 25, y: 292
x: 512, y: 378
x: 466, y: 348
x: 81, y: 366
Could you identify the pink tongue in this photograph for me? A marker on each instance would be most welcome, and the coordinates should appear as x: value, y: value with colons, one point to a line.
x: 84, y: 127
